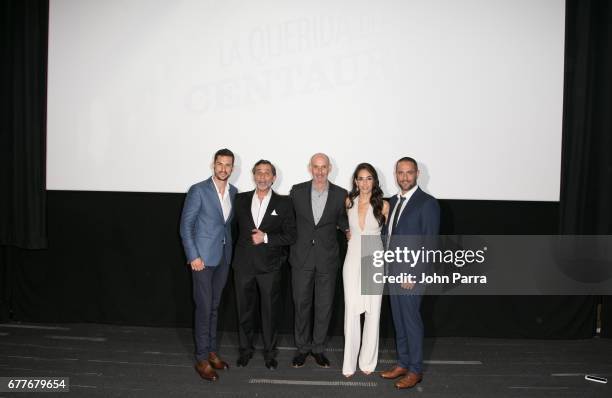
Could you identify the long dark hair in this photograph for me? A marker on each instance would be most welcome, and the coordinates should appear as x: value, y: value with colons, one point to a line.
x: 376, y: 200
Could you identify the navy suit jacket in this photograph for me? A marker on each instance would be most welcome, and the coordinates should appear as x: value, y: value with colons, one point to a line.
x: 421, y: 216
x: 204, y: 232
x: 420, y: 219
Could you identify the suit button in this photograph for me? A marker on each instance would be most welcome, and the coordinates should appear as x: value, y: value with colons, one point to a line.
x: 313, y: 242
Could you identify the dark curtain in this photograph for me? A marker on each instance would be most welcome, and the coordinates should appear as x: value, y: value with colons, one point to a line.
x: 586, y: 175
x: 23, y: 47
x: 23, y: 117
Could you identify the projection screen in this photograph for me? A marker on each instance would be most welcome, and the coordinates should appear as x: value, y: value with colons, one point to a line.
x: 141, y: 93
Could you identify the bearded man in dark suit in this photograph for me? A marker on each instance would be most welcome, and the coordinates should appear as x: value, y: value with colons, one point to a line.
x: 415, y: 214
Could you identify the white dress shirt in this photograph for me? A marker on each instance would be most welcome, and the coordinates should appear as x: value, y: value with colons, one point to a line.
x: 259, y: 207
x: 226, y: 203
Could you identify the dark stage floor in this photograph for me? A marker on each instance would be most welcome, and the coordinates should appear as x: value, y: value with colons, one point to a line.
x: 105, y: 360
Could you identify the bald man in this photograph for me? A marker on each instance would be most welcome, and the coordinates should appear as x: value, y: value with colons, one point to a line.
x: 315, y: 258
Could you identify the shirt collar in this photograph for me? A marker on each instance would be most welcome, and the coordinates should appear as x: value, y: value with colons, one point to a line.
x: 217, y: 187
x: 408, y: 194
x: 268, y: 195
x: 313, y: 189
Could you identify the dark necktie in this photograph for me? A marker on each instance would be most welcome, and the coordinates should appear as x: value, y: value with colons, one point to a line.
x: 398, y: 210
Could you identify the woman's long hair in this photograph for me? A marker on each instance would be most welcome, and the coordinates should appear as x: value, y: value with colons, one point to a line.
x: 376, y: 200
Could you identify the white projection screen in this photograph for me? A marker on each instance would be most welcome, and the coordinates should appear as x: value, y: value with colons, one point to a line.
x: 141, y: 93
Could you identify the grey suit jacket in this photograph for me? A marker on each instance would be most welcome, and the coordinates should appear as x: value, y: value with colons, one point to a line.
x: 204, y: 232
x: 317, y: 245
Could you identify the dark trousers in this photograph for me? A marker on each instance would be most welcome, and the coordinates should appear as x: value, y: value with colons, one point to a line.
x: 208, y: 285
x: 312, y: 290
x: 408, y: 330
x: 248, y: 286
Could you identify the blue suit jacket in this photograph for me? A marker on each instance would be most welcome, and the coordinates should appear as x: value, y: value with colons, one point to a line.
x: 421, y: 216
x: 204, y: 232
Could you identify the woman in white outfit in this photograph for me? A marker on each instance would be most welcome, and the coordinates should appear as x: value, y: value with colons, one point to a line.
x: 367, y: 212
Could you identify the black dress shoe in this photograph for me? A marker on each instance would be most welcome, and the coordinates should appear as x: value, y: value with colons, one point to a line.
x: 243, y: 361
x: 299, y: 360
x: 271, y: 364
x: 320, y: 359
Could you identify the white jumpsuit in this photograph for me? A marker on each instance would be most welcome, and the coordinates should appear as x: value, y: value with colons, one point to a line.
x: 356, y: 303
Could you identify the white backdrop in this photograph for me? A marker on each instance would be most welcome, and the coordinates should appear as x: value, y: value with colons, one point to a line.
x: 141, y: 93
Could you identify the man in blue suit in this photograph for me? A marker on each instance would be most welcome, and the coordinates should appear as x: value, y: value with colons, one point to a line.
x: 414, y: 212
x: 207, y: 240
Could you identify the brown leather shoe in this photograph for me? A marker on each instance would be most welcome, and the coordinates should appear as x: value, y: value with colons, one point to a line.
x: 216, y: 362
x: 206, y: 371
x: 394, y: 372
x: 409, y: 381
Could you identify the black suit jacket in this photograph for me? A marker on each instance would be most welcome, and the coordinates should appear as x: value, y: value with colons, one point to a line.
x: 280, y: 227
x: 317, y: 245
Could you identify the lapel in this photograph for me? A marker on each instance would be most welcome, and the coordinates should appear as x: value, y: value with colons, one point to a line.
x: 410, y: 206
x: 247, y: 209
x: 268, y: 215
x: 232, y: 193
x: 392, y: 203
x: 216, y: 201
x: 308, y: 195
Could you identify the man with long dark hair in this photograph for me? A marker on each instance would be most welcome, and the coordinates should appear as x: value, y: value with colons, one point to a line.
x: 266, y: 224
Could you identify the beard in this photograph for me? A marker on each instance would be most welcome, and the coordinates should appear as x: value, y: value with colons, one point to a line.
x: 222, y: 177
x: 407, y: 186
